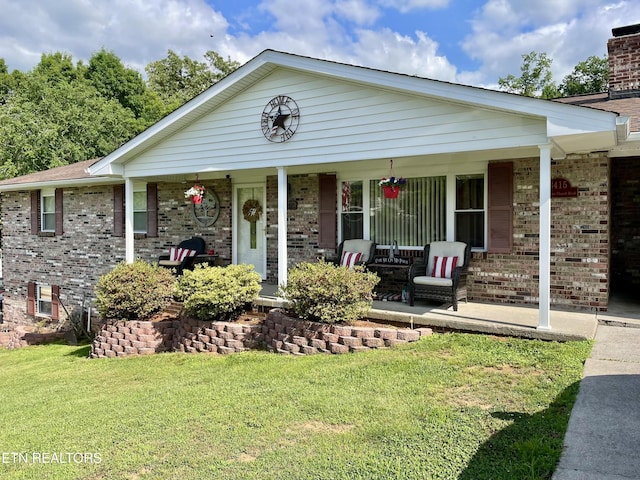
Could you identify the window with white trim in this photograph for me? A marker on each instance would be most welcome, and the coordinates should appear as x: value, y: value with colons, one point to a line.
x: 470, y: 211
x: 428, y: 209
x: 417, y: 217
x: 140, y: 209
x: 44, y: 300
x: 48, y: 210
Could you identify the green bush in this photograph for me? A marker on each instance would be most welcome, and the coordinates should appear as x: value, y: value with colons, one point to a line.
x: 218, y: 293
x: 329, y: 293
x: 134, y: 291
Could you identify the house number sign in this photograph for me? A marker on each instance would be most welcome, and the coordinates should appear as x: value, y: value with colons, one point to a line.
x: 561, y: 188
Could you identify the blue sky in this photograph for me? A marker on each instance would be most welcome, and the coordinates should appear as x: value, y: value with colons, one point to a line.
x: 471, y: 42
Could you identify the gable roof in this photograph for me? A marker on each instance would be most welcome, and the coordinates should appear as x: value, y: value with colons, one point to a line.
x: 564, y: 123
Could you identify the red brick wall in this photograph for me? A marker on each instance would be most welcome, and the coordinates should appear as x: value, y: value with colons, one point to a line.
x: 624, y: 63
x: 579, y: 240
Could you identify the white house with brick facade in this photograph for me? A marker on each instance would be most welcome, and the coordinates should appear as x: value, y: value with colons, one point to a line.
x: 529, y: 183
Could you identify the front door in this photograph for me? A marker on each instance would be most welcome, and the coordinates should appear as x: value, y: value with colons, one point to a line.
x: 250, y: 244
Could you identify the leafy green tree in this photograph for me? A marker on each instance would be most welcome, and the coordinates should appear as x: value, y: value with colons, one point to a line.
x: 177, y: 80
x: 45, y: 124
x: 589, y: 76
x: 535, y: 79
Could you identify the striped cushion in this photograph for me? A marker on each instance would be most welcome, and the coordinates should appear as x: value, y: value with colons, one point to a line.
x: 179, y: 254
x: 349, y: 259
x: 443, y: 267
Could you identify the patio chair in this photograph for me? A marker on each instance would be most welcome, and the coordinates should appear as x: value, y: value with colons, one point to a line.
x: 442, y: 274
x: 356, y: 252
x: 182, y: 256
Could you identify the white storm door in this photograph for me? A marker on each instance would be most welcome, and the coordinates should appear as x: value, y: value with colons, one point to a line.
x: 250, y: 237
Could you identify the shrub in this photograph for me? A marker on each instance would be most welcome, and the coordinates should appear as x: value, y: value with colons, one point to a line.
x: 133, y: 291
x: 218, y: 293
x: 329, y: 293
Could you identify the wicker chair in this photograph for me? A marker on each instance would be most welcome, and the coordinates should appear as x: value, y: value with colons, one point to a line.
x: 366, y: 247
x: 448, y: 288
x: 197, y: 247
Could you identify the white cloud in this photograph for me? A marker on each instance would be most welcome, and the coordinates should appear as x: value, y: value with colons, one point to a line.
x: 405, y: 6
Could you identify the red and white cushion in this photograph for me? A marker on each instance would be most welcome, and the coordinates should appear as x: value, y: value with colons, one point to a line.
x: 349, y: 259
x: 179, y: 254
x: 443, y: 267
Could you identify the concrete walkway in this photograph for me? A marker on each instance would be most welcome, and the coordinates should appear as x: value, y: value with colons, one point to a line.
x: 603, y: 438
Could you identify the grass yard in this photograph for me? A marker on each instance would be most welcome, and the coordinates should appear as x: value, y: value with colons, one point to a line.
x: 451, y: 406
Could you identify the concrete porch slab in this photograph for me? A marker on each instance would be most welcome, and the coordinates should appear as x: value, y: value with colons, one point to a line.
x: 495, y: 319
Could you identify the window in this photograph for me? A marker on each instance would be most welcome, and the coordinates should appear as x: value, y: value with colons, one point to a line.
x: 469, y: 213
x: 44, y: 300
x: 48, y: 211
x: 140, y: 210
x: 352, y: 210
x: 417, y: 217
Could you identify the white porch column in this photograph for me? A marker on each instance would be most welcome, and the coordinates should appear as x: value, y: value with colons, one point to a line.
x: 128, y: 220
x: 282, y: 226
x: 544, y: 282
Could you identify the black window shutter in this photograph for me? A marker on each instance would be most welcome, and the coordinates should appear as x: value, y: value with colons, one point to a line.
x: 31, y: 298
x: 35, y: 212
x: 327, y: 222
x: 500, y: 207
x: 118, y: 210
x: 59, y: 200
x: 152, y: 209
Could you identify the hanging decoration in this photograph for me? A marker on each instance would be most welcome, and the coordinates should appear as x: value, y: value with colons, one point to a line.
x: 251, y: 211
x: 391, y: 185
x: 196, y: 193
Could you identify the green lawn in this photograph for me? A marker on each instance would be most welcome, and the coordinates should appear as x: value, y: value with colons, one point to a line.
x: 450, y: 406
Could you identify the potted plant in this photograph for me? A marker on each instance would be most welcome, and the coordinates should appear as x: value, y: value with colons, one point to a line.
x: 391, y: 186
x: 196, y: 193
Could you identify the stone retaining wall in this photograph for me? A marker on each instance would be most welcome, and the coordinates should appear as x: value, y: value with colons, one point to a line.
x: 23, y: 336
x: 278, y: 333
x: 288, y: 335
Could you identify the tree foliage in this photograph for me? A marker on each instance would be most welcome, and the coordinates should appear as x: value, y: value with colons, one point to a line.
x: 177, y: 80
x: 589, y: 76
x: 61, y: 113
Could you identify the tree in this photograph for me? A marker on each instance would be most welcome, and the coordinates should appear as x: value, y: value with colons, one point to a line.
x: 177, y: 80
x: 48, y: 121
x: 536, y: 79
x: 589, y: 76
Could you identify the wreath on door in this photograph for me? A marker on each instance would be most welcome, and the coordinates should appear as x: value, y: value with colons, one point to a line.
x: 251, y: 210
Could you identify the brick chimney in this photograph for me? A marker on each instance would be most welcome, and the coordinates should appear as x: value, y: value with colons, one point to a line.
x: 624, y: 62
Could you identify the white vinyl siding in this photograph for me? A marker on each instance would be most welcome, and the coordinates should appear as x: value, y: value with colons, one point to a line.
x: 340, y: 121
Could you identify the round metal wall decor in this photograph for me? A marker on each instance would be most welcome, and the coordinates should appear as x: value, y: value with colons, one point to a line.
x: 206, y: 213
x: 280, y: 119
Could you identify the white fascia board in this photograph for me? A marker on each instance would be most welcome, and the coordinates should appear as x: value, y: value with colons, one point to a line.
x: 82, y: 182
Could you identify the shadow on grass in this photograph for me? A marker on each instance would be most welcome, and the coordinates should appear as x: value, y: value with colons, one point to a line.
x: 82, y: 351
x: 529, y: 448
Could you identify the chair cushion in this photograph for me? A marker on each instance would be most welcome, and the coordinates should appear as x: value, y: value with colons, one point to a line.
x: 446, y: 249
x: 349, y: 259
x: 179, y: 254
x: 433, y: 281
x: 443, y: 266
x: 169, y: 263
x: 357, y: 245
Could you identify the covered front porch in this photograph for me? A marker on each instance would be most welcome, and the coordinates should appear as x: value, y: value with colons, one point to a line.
x: 488, y: 318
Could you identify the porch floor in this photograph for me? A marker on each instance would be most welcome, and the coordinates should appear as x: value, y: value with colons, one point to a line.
x: 497, y: 319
